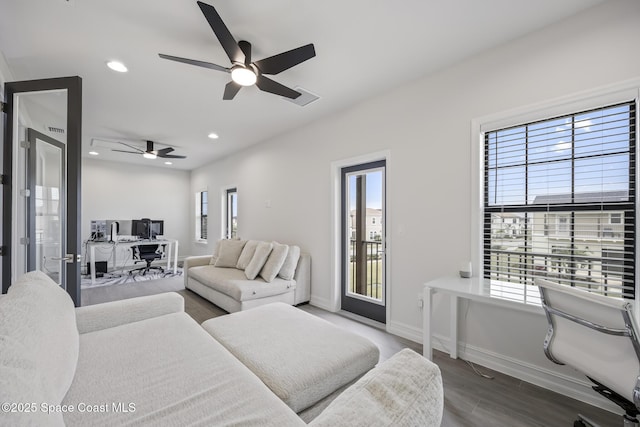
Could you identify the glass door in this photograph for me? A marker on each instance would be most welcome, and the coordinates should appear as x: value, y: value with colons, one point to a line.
x: 46, y: 173
x: 42, y: 166
x: 363, y: 240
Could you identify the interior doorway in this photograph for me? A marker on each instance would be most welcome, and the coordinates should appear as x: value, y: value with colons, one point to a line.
x: 363, y: 231
x: 41, y: 173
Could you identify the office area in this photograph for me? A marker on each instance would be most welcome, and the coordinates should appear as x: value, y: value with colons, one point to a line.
x: 117, y: 246
x: 122, y: 193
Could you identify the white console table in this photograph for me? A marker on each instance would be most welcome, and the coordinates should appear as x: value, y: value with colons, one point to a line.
x: 514, y: 296
x: 172, y: 248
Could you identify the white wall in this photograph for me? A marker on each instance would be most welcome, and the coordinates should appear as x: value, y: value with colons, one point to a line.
x: 425, y: 125
x: 112, y: 190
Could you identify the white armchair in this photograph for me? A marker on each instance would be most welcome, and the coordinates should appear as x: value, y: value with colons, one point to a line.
x: 597, y: 336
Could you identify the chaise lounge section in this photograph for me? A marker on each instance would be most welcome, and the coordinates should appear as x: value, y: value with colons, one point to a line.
x: 144, y: 361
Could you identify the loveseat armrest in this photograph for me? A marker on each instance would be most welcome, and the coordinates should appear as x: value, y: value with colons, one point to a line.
x: 110, y: 314
x: 193, y: 261
x: 405, y: 390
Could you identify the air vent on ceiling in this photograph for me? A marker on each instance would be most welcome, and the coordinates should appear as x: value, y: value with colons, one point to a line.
x: 53, y: 129
x: 305, y: 99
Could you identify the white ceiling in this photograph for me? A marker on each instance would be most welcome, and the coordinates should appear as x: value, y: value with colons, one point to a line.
x: 364, y: 47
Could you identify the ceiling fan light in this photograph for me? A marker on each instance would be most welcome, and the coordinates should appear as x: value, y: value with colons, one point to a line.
x: 243, y: 76
x: 149, y: 156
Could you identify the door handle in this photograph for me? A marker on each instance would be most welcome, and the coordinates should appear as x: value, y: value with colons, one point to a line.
x: 68, y: 258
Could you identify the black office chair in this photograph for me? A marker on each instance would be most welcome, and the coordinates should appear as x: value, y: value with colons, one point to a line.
x: 148, y: 254
x: 598, y: 336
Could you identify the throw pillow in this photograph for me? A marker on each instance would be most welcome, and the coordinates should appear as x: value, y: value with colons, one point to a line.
x: 274, y: 262
x: 259, y: 258
x: 288, y: 269
x: 214, y: 255
x: 228, y: 252
x: 247, y: 253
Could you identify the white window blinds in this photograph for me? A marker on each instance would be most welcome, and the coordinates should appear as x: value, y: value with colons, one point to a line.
x: 559, y: 201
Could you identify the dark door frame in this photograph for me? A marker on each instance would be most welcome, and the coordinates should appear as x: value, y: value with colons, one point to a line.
x: 73, y: 85
x: 367, y: 309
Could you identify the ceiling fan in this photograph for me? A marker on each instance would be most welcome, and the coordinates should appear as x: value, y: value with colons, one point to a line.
x: 150, y: 153
x: 243, y: 71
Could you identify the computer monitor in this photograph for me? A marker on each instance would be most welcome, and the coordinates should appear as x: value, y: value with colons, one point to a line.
x: 146, y: 228
x: 141, y: 228
x: 156, y: 229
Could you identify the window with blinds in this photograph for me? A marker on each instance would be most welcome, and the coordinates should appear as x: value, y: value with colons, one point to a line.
x: 559, y: 201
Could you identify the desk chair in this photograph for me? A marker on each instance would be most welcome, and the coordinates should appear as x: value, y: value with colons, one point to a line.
x: 597, y: 336
x: 148, y: 254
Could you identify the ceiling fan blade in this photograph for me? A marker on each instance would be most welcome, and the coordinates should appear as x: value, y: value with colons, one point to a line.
x: 245, y: 47
x: 269, y: 85
x: 194, y: 62
x: 230, y: 90
x: 132, y: 152
x: 285, y: 60
x: 171, y: 156
x: 165, y: 151
x: 128, y: 145
x: 223, y: 34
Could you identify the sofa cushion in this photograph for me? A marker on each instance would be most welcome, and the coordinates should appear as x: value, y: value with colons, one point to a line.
x: 234, y: 283
x: 246, y: 254
x: 288, y: 269
x: 263, y: 249
x: 273, y: 264
x: 229, y: 251
x: 38, y: 337
x: 21, y: 383
x: 214, y: 255
x: 173, y: 373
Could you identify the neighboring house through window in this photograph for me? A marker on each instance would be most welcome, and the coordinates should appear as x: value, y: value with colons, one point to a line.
x: 559, y: 201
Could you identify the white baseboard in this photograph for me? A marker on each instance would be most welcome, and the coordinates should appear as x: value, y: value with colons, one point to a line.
x: 554, y: 381
x: 403, y: 330
x: 323, y: 303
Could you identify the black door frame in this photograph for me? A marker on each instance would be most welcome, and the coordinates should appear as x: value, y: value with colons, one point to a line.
x: 366, y: 309
x: 73, y: 85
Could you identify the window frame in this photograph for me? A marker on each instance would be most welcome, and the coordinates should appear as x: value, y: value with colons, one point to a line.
x: 585, y: 100
x: 229, y: 231
x: 201, y: 228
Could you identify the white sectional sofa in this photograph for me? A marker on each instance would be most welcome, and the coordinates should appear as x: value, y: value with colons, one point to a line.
x: 242, y: 274
x: 144, y: 362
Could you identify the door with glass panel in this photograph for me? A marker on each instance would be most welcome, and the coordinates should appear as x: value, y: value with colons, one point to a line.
x: 46, y: 184
x: 363, y: 240
x: 42, y: 167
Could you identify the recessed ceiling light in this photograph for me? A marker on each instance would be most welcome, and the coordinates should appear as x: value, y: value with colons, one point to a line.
x: 213, y: 135
x: 117, y: 66
x: 168, y: 163
x: 93, y: 153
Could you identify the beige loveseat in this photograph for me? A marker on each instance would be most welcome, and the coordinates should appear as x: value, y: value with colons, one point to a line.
x: 145, y: 362
x: 242, y: 274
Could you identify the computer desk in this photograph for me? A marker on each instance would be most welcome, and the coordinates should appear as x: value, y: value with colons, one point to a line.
x: 171, y: 245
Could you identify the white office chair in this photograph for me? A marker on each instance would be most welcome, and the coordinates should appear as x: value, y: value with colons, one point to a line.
x: 597, y: 336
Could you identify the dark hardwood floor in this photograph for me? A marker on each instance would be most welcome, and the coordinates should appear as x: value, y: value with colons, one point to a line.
x: 470, y: 399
